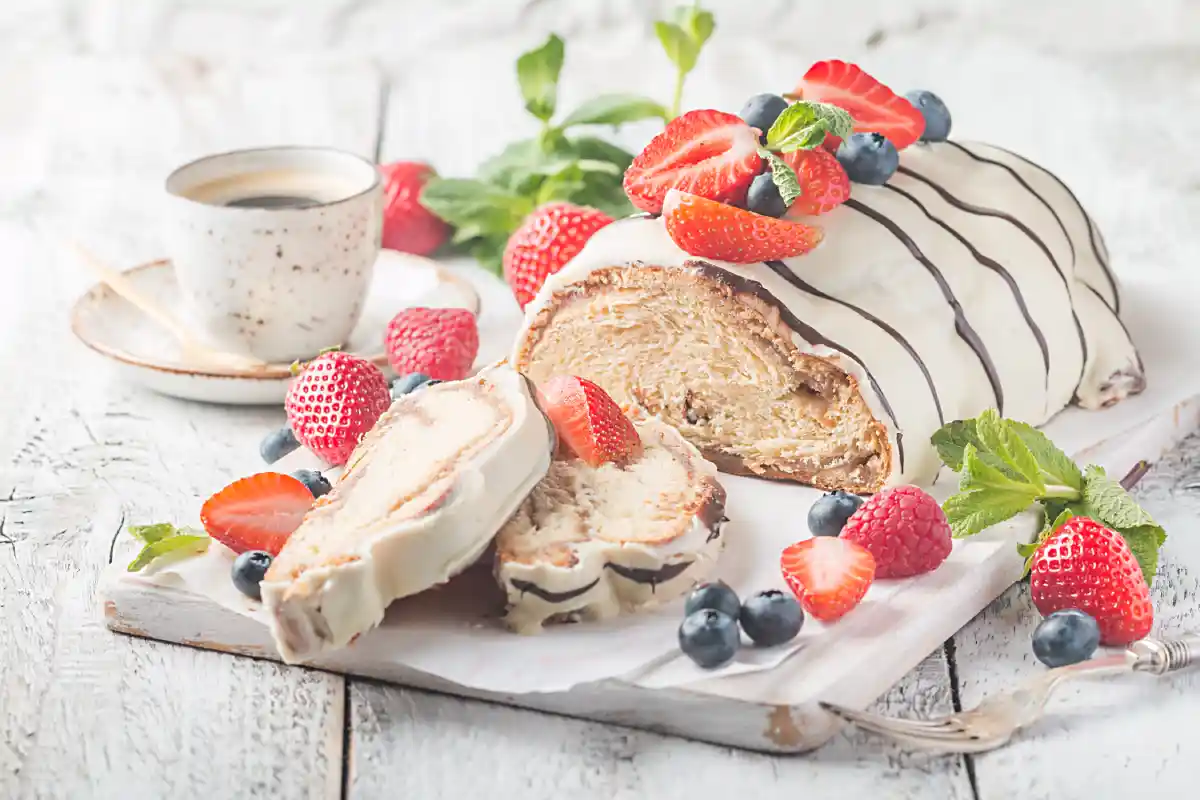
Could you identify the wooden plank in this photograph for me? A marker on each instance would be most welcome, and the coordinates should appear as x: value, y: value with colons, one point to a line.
x: 1139, y: 725
x: 87, y: 713
x: 426, y: 745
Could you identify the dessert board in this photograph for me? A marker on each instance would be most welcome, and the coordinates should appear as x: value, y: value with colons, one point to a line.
x: 766, y: 700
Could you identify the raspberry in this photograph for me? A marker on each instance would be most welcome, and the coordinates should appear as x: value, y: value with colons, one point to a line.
x: 904, y: 528
x: 439, y: 342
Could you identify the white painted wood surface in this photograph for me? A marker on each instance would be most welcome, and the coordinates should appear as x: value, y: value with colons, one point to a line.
x: 98, y: 98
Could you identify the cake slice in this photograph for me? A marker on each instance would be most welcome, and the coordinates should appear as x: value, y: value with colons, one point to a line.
x: 423, y: 495
x: 591, y: 542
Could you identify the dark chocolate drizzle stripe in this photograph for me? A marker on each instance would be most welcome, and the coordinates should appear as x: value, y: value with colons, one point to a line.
x: 788, y: 274
x: 971, y: 208
x: 1016, y: 175
x: 528, y: 587
x: 651, y: 577
x: 995, y: 267
x: 965, y: 331
x: 1101, y: 258
x: 812, y: 335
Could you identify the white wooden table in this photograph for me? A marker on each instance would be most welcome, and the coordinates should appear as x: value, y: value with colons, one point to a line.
x: 98, y: 100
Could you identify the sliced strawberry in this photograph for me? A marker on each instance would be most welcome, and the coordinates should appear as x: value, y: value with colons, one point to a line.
x: 589, y: 424
x: 824, y: 184
x: 831, y: 143
x: 829, y: 576
x: 256, y: 513
x: 707, y: 153
x: 874, y: 107
x: 708, y: 229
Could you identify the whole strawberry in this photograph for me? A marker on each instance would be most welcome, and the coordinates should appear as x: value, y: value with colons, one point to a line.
x: 407, y: 225
x: 904, y: 528
x: 438, y: 342
x: 1087, y: 566
x: 334, y: 401
x: 546, y: 240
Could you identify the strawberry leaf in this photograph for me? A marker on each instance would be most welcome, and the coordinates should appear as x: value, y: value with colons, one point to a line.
x: 1107, y: 502
x: 784, y: 177
x: 615, y: 109
x: 537, y: 74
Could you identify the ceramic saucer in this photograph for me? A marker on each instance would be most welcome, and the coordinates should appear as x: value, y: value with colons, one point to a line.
x: 144, y: 353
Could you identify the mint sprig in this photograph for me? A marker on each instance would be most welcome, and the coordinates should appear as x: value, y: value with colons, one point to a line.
x: 1006, y: 467
x: 163, y: 538
x: 783, y: 176
x: 558, y: 164
x: 804, y: 125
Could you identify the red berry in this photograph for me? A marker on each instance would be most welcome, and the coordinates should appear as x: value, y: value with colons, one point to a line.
x: 874, y: 107
x: 828, y: 576
x: 823, y: 182
x: 589, y: 424
x: 545, y: 242
x: 704, y: 152
x: 407, y: 225
x: 904, y: 528
x: 1087, y: 566
x: 708, y: 229
x: 256, y: 513
x: 334, y: 401
x: 439, y: 342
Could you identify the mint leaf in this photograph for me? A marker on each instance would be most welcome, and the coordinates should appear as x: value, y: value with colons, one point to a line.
x: 973, y: 511
x: 615, y: 109
x: 1000, y: 440
x: 1055, y: 464
x: 149, y: 534
x: 783, y: 176
x: 1107, y: 502
x: 1145, y: 541
x: 490, y: 208
x: 803, y: 126
x: 599, y: 150
x: 678, y: 44
x: 191, y: 544
x: 537, y: 74
x: 952, y: 439
x: 697, y: 23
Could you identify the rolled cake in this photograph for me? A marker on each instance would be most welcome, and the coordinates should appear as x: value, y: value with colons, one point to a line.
x: 423, y: 495
x: 974, y: 279
x: 592, y: 542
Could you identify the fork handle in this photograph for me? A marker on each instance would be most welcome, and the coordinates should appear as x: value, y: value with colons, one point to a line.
x: 1160, y: 656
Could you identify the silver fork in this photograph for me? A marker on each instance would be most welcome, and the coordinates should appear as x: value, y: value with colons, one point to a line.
x: 996, y: 719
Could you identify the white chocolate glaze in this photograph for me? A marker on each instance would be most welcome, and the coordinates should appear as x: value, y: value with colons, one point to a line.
x: 972, y: 280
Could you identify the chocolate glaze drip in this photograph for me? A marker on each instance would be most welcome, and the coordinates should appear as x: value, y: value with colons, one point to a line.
x: 788, y: 274
x: 994, y: 266
x: 965, y: 331
x: 529, y: 587
x: 1101, y: 258
x: 812, y: 335
x: 651, y: 577
x: 970, y: 208
x: 1017, y: 176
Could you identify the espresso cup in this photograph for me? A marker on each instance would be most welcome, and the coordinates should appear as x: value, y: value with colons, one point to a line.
x: 274, y: 248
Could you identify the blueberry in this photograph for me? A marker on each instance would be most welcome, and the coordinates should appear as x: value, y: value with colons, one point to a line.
x: 828, y: 515
x: 763, y: 197
x: 937, y: 116
x: 715, y: 595
x: 410, y: 383
x: 313, y: 480
x: 709, y: 637
x: 762, y: 110
x: 248, y: 572
x: 277, y: 444
x: 1066, y: 637
x: 868, y: 158
x: 771, y: 617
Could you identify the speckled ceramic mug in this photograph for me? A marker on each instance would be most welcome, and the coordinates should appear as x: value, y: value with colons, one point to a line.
x: 274, y: 248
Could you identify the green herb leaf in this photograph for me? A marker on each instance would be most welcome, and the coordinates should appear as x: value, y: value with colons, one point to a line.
x: 951, y: 441
x: 149, y: 534
x: 588, y: 147
x: 1107, y: 502
x: 679, y: 46
x: 490, y: 208
x: 1001, y: 440
x: 190, y: 544
x: 615, y: 109
x: 695, y: 22
x: 1055, y: 464
x: 784, y: 177
x: 973, y: 511
x: 803, y: 126
x: 537, y: 73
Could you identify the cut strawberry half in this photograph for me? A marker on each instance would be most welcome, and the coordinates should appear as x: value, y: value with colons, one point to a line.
x: 874, y: 107
x: 824, y: 184
x: 589, y: 423
x: 829, y: 576
x: 708, y: 229
x: 704, y: 152
x: 257, y: 513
